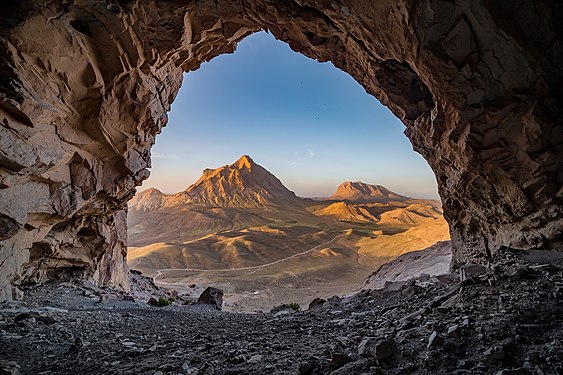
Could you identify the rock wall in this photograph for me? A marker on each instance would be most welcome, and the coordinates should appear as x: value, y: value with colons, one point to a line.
x: 86, y: 84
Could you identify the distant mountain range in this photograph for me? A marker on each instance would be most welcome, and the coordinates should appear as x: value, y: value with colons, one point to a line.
x: 240, y: 215
x: 362, y: 192
x: 246, y: 184
x: 241, y: 184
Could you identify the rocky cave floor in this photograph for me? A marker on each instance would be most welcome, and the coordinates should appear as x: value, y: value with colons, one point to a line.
x: 505, y: 319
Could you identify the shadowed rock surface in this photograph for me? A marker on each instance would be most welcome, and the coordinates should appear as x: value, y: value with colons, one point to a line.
x: 213, y: 297
x: 509, y: 318
x: 86, y: 87
x: 434, y: 260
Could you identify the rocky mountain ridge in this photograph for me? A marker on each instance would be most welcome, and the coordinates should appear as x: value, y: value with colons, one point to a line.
x: 362, y: 192
x: 242, y: 184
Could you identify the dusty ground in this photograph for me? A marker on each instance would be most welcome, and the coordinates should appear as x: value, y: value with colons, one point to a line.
x: 507, y: 320
x: 284, y: 264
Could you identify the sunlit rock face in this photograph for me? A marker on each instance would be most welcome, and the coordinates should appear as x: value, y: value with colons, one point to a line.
x: 85, y: 86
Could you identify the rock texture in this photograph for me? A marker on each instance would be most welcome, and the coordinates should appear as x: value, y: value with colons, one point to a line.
x: 506, y: 321
x: 432, y: 261
x: 85, y: 87
x: 212, y: 296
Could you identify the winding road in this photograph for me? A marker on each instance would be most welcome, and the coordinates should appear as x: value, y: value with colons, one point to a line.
x: 252, y: 268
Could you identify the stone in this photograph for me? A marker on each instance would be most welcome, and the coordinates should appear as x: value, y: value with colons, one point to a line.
x: 516, y: 371
x: 9, y: 368
x: 23, y: 316
x: 316, y: 302
x: 448, y: 278
x: 454, y: 331
x: 471, y: 270
x: 107, y: 297
x: 435, y: 339
x: 339, y: 359
x: 306, y: 368
x: 283, y: 309
x: 423, y: 277
x: 384, y: 349
x: 17, y: 294
x: 473, y: 85
x: 352, y: 368
x: 257, y: 358
x: 366, y: 347
x: 46, y: 319
x: 76, y: 346
x: 212, y: 296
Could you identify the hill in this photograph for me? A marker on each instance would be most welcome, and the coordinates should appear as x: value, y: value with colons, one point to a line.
x: 361, y: 192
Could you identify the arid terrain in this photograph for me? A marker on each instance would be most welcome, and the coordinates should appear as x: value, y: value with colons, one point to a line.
x: 239, y: 229
x: 502, y: 319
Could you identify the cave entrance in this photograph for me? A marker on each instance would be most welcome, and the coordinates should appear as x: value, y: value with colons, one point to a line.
x: 473, y: 85
x: 239, y: 228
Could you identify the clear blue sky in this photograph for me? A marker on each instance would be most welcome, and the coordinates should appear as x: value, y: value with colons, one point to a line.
x: 310, y: 124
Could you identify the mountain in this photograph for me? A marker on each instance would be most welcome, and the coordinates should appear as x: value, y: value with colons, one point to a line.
x: 362, y: 192
x: 148, y: 200
x: 235, y: 196
x: 241, y: 184
x: 240, y: 216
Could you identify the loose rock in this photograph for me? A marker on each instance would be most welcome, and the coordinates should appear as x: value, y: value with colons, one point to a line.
x: 212, y: 296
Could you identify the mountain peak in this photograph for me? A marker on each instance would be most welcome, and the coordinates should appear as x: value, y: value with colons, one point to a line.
x: 241, y: 184
x: 245, y: 161
x: 149, y: 199
x: 361, y: 191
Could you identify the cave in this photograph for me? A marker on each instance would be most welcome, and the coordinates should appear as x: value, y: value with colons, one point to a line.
x: 86, y: 86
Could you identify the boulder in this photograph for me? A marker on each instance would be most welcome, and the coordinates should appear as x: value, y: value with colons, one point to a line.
x: 212, y: 296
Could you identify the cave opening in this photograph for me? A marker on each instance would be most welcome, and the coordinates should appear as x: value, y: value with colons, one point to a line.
x: 331, y: 190
x: 486, y: 125
x: 85, y: 88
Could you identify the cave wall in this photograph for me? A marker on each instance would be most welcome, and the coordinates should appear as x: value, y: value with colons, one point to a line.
x: 86, y: 84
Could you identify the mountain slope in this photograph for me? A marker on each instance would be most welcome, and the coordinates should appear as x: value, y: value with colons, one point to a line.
x: 227, y: 198
x: 241, y: 184
x: 361, y: 192
x: 347, y: 212
x: 148, y: 200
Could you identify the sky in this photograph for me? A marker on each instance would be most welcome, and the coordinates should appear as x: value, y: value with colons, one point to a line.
x: 309, y: 123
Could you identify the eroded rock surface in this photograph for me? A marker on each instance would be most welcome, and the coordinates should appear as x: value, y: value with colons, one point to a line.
x: 85, y: 87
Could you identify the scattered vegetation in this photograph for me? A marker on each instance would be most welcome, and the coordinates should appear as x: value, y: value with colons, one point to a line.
x: 294, y: 306
x: 161, y: 302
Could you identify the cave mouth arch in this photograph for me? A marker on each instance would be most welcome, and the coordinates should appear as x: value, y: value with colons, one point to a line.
x: 473, y: 85
x: 309, y: 123
x: 276, y: 105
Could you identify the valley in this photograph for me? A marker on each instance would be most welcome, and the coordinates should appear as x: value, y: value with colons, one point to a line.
x: 239, y: 229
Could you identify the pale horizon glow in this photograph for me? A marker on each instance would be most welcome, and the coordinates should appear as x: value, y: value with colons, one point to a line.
x: 308, y: 123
